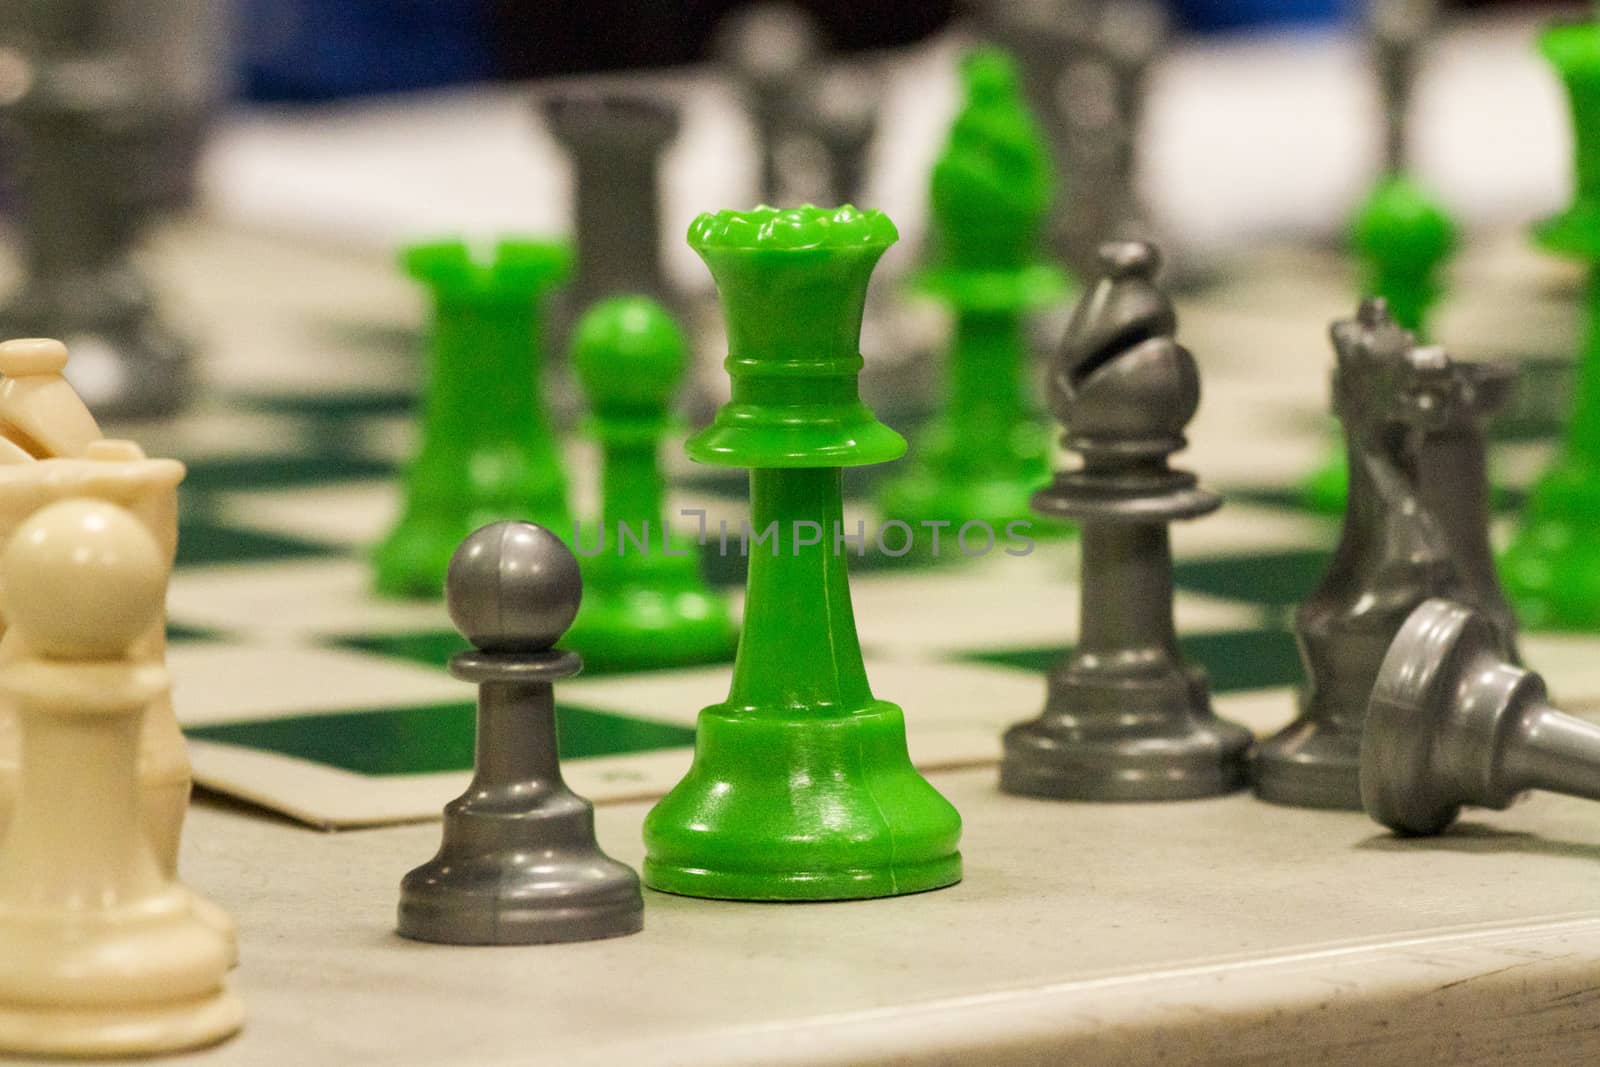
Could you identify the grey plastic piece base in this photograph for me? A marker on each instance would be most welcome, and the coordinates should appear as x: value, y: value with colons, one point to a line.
x: 1125, y: 738
x: 1452, y: 723
x: 519, y: 863
x: 1310, y: 765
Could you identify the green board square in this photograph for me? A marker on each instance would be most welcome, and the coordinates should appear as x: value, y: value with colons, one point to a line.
x: 1235, y: 660
x: 1278, y: 579
x: 431, y: 739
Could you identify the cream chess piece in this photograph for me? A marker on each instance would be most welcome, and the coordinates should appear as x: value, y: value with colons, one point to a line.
x: 52, y: 449
x: 102, y: 951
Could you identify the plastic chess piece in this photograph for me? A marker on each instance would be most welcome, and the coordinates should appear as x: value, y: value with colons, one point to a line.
x: 986, y: 453
x: 1453, y: 723
x: 487, y: 447
x: 96, y: 121
x: 1402, y: 237
x: 841, y: 111
x: 645, y: 603
x: 40, y: 413
x: 801, y: 787
x: 1125, y: 718
x: 519, y: 864
x: 1552, y: 567
x: 615, y: 142
x: 770, y: 51
x: 1086, y: 66
x: 102, y: 952
x: 1397, y: 30
x: 1416, y: 527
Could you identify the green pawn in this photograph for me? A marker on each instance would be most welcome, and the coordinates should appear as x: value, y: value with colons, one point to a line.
x: 1402, y: 238
x: 645, y: 603
x: 801, y: 787
x: 1551, y: 570
x: 487, y: 451
x: 986, y: 453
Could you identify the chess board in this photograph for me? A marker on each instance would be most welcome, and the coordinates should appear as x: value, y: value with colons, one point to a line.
x: 302, y: 692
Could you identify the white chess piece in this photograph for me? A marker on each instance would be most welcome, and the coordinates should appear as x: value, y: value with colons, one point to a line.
x: 102, y: 951
x: 50, y: 449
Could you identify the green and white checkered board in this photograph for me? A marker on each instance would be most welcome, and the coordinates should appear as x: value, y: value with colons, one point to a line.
x: 302, y: 692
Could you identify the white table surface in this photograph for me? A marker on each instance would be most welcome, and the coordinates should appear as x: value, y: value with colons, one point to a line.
x: 1223, y: 931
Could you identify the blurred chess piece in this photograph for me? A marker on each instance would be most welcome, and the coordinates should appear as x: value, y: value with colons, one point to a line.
x: 104, y: 105
x: 102, y: 951
x: 1086, y: 66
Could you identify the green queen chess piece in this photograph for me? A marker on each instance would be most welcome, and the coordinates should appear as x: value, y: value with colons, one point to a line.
x: 986, y: 454
x: 487, y: 451
x: 1551, y: 570
x: 801, y: 786
x: 1402, y: 238
x: 645, y: 603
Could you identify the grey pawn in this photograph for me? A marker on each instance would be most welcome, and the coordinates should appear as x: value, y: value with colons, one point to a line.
x: 1416, y: 526
x: 1452, y: 723
x: 1126, y: 718
x: 519, y: 864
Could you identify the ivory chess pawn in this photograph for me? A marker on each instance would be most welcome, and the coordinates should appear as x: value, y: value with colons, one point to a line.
x: 102, y: 951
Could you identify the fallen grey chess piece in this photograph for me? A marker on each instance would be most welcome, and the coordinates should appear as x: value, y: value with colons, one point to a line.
x: 519, y: 864
x: 1452, y: 724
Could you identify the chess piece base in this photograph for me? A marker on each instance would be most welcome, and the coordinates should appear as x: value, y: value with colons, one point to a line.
x: 866, y: 824
x: 1125, y: 739
x: 1551, y: 571
x: 109, y: 984
x: 1310, y: 765
x: 582, y: 895
x: 660, y: 616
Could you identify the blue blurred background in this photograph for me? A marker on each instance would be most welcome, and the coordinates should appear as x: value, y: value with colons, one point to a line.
x: 323, y: 49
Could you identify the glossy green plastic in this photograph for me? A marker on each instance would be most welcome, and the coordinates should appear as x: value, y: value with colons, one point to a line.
x: 645, y: 603
x: 986, y: 453
x: 1402, y: 237
x: 801, y: 786
x: 487, y: 451
x: 1551, y: 570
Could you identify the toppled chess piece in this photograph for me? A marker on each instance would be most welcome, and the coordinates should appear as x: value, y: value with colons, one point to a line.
x: 102, y: 951
x: 1126, y: 718
x: 645, y: 602
x: 1453, y: 723
x: 487, y: 448
x: 1416, y: 526
x: 519, y: 864
x: 801, y: 787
